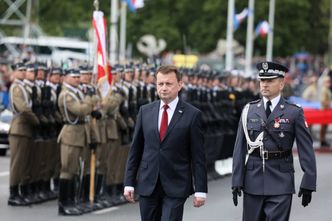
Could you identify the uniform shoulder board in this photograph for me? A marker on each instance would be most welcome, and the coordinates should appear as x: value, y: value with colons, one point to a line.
x: 255, y: 101
x: 296, y: 105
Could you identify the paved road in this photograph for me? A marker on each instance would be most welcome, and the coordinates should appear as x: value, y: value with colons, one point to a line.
x: 219, y: 205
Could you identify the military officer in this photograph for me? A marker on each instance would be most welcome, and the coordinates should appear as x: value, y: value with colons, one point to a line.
x: 269, y: 127
x: 74, y: 108
x: 20, y: 138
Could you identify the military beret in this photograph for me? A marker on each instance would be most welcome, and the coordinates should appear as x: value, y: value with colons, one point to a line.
x: 270, y: 70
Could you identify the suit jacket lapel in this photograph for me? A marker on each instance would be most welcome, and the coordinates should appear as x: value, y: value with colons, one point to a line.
x: 154, y: 118
x: 260, y: 110
x: 178, y: 112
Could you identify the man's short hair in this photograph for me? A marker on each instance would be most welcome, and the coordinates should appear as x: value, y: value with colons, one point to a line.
x: 170, y: 69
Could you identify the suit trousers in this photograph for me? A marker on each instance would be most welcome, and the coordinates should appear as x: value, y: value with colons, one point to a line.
x: 266, y: 208
x: 20, y: 152
x: 159, y: 207
x: 70, y: 158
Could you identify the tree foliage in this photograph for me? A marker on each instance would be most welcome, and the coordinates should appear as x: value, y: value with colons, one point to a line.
x: 299, y: 24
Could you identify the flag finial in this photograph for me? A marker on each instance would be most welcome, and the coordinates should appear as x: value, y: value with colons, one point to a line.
x: 96, y: 4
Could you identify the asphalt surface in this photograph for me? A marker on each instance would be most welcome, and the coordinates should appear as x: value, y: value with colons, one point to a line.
x: 219, y: 204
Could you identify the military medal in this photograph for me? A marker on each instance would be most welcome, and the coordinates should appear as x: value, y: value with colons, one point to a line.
x: 282, y: 135
x: 276, y: 123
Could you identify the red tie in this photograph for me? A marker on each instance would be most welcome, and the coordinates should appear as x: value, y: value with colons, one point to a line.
x: 164, y: 123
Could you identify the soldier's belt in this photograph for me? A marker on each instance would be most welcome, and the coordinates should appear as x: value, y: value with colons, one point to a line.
x: 271, y: 154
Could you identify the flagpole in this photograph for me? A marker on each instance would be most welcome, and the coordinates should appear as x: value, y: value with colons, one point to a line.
x: 250, y: 40
x: 269, y: 48
x: 229, y: 40
x: 122, y: 54
x: 113, y: 30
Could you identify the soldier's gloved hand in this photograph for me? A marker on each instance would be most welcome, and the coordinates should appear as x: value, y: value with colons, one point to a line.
x: 236, y: 190
x: 93, y: 146
x: 96, y: 114
x: 306, y: 196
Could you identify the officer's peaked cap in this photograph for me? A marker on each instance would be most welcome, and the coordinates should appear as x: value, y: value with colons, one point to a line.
x: 270, y: 70
x: 72, y: 72
x: 19, y: 66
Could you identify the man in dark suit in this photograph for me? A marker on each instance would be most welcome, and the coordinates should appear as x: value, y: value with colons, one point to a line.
x: 167, y: 154
x: 266, y: 132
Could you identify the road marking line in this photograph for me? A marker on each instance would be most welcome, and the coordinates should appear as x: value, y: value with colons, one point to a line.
x: 6, y: 173
x: 103, y: 211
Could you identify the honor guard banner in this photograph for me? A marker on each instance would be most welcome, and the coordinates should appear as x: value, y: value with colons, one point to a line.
x: 104, y: 76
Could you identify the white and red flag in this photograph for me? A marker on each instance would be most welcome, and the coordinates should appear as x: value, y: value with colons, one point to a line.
x: 104, y: 76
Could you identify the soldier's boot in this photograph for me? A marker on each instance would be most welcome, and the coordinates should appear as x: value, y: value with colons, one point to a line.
x: 14, y: 197
x: 25, y: 195
x: 118, y: 195
x: 94, y: 205
x: 99, y: 195
x: 56, y: 185
x: 40, y: 191
x: 85, y: 205
x: 109, y: 195
x: 66, y: 206
x: 47, y: 186
x: 31, y: 192
x: 35, y: 193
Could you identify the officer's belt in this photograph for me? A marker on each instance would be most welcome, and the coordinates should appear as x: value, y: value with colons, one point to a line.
x: 271, y: 154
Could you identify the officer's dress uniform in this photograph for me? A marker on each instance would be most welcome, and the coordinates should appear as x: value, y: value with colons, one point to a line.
x: 73, y: 138
x: 267, y: 178
x: 20, y: 141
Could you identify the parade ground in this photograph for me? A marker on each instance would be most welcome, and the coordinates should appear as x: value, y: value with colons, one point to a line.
x: 219, y: 204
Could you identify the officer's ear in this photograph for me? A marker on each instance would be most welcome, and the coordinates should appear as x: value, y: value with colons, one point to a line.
x: 282, y: 82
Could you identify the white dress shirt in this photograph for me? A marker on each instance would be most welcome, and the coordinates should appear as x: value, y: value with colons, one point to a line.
x: 274, y: 102
x: 170, y: 110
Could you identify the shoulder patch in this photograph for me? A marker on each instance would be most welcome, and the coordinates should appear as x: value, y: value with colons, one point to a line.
x: 296, y: 105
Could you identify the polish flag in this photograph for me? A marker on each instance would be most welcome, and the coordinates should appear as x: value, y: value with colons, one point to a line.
x: 104, y: 77
x: 135, y: 4
x: 262, y: 29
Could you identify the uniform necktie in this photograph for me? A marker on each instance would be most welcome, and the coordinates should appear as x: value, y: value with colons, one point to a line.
x: 164, y: 122
x: 268, y: 109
